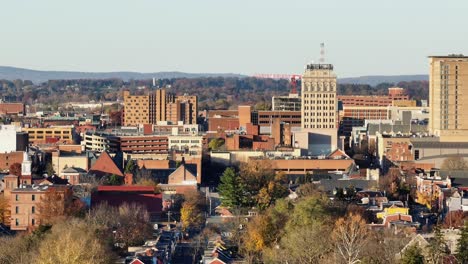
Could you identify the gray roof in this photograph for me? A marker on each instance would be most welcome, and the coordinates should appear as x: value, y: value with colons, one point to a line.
x: 358, y: 184
x: 430, y: 142
x: 395, y: 128
x: 73, y: 170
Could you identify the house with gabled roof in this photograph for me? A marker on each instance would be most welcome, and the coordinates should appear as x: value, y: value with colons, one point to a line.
x: 105, y: 166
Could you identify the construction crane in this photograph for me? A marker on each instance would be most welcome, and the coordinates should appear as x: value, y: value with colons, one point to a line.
x: 293, y: 79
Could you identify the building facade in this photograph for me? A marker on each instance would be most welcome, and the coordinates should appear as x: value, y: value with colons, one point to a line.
x: 291, y: 102
x: 159, y: 106
x: 448, y: 92
x: 319, y: 120
x: 50, y: 135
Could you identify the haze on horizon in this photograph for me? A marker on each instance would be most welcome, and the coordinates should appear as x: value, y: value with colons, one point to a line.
x: 362, y: 37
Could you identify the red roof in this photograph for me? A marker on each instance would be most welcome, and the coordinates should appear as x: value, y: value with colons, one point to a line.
x: 104, y: 165
x: 118, y: 195
x: 125, y: 188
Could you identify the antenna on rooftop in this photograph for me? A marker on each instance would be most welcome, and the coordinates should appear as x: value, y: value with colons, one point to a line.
x: 322, y: 53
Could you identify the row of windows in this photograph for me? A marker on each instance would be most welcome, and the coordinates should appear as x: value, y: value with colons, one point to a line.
x: 33, y: 197
x: 319, y: 95
x: 319, y: 114
x: 319, y: 126
x: 319, y: 102
x: 176, y: 141
x: 320, y: 120
x: 319, y: 108
x: 33, y: 222
x: 33, y: 210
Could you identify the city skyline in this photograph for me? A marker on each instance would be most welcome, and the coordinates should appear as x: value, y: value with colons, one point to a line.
x: 241, y: 37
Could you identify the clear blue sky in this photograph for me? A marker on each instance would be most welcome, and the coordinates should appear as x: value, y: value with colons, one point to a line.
x: 363, y: 37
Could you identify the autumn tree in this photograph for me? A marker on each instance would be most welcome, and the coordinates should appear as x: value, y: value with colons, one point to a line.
x: 262, y: 183
x: 350, y: 235
x: 4, y: 210
x: 133, y: 225
x: 454, y: 219
x: 11, y: 246
x: 454, y: 163
x: 58, y: 204
x: 192, y: 211
x: 15, y: 169
x: 82, y: 245
x: 462, y: 245
x: 216, y: 143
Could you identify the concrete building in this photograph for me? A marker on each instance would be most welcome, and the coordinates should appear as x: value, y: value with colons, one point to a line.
x: 45, y: 135
x: 144, y: 144
x: 448, y: 94
x: 191, y: 144
x: 291, y: 102
x: 99, y: 141
x: 62, y: 160
x: 13, y: 139
x: 136, y: 109
x: 319, y: 110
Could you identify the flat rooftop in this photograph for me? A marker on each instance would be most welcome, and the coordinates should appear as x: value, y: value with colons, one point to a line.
x: 450, y: 56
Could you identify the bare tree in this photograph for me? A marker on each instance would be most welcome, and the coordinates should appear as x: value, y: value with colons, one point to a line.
x: 454, y: 163
x: 350, y: 237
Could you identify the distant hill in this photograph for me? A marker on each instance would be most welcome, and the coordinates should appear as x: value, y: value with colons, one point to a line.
x: 376, y: 79
x: 12, y: 73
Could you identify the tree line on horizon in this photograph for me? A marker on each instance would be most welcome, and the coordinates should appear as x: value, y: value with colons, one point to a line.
x: 213, y: 92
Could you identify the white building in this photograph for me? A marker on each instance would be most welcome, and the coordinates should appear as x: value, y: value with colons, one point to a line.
x: 8, y: 138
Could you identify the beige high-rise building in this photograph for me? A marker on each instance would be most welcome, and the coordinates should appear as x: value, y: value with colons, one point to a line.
x: 448, y: 97
x: 159, y: 106
x: 318, y: 110
x: 136, y: 109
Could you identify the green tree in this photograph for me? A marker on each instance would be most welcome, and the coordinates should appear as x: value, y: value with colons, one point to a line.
x: 130, y: 166
x: 412, y: 255
x: 216, y: 143
x: 115, y: 180
x: 232, y: 190
x: 50, y: 169
x: 462, y: 248
x: 437, y: 248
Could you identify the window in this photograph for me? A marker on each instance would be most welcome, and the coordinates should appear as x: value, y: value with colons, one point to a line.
x: 17, y: 210
x: 33, y: 222
x: 17, y: 222
x: 33, y: 210
x: 17, y: 197
x: 33, y: 197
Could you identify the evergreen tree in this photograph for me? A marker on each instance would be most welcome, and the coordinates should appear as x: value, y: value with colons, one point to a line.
x: 130, y: 166
x: 412, y: 255
x: 231, y: 189
x: 462, y: 248
x: 437, y: 247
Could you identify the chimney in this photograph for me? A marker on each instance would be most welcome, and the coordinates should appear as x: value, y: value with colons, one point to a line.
x: 128, y: 178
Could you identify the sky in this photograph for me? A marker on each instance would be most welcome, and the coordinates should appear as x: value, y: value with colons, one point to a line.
x: 362, y: 37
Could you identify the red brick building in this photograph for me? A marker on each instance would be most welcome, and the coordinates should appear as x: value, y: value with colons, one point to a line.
x: 12, y: 109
